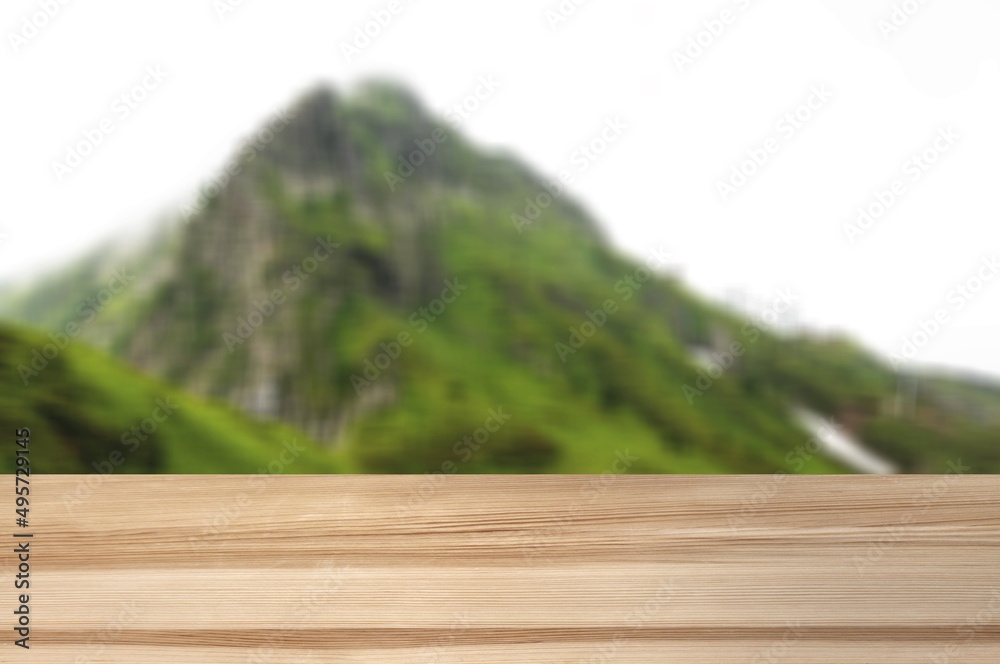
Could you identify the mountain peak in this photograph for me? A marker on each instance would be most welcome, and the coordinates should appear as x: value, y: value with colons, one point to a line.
x: 382, y: 147
x: 389, y: 97
x: 327, y: 131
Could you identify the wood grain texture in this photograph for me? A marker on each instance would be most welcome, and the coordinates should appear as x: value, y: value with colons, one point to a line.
x: 390, y: 569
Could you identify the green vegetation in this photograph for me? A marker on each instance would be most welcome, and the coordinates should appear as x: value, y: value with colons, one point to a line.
x: 82, y: 407
x: 438, y: 310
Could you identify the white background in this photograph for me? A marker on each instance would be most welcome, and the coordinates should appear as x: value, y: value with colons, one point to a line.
x: 229, y: 70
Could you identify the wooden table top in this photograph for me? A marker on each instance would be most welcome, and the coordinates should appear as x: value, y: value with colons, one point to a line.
x: 687, y: 569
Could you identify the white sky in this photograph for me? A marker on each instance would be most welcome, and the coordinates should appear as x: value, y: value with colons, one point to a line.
x: 656, y: 185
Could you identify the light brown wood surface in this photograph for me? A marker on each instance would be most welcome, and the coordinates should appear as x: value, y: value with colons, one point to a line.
x: 389, y: 569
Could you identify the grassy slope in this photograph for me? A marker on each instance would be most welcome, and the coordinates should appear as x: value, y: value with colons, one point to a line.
x: 81, y: 404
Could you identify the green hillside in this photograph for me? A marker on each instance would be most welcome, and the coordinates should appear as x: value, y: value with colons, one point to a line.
x: 460, y: 315
x: 89, y: 413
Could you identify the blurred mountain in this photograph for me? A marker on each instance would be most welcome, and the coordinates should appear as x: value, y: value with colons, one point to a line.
x: 360, y: 272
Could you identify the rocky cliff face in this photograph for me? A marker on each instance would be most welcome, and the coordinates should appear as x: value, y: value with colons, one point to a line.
x: 321, y: 214
x: 325, y: 247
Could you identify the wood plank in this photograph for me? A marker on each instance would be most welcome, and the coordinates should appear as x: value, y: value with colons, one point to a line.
x: 512, y: 569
